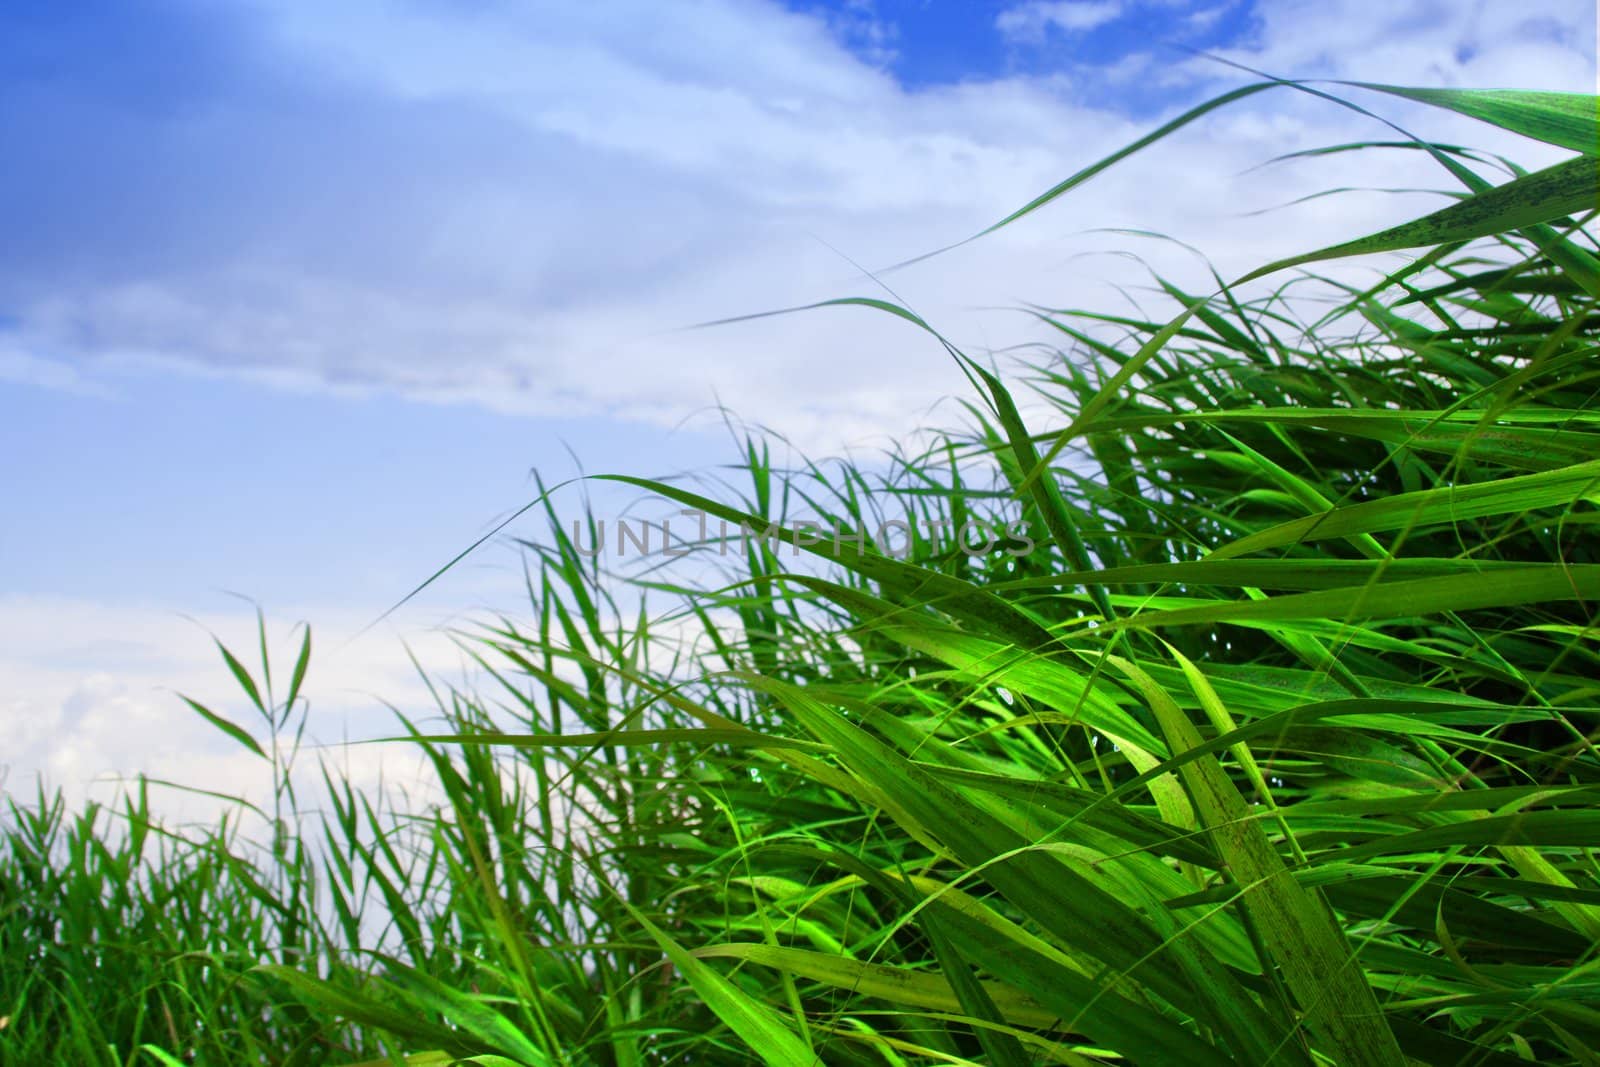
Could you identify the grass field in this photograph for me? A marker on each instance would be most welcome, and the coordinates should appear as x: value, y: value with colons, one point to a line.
x: 1277, y: 747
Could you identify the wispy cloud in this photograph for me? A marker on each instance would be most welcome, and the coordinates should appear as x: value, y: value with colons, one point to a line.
x: 1034, y: 20
x: 24, y: 368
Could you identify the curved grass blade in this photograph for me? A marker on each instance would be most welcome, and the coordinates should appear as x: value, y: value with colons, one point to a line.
x: 755, y: 1024
x: 1570, y: 120
x: 1546, y: 196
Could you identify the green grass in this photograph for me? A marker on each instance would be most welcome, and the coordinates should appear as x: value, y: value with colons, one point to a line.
x: 1278, y: 749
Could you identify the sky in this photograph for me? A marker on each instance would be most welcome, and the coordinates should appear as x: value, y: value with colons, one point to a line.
x: 295, y: 296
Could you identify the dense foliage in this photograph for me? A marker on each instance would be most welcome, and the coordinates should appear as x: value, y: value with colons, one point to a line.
x: 1277, y: 748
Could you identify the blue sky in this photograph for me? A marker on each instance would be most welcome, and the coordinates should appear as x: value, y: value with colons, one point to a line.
x: 926, y: 43
x: 161, y: 137
x: 294, y: 295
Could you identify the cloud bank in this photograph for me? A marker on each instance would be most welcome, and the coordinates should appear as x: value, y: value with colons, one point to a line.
x: 516, y: 205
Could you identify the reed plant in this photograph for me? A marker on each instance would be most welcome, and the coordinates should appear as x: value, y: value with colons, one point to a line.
x: 1277, y: 746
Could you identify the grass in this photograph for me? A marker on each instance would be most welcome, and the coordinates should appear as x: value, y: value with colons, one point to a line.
x: 1278, y: 748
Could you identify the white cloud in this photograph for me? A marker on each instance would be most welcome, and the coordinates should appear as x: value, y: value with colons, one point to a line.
x: 91, y: 699
x: 1204, y: 18
x: 91, y: 696
x: 1032, y: 21
x: 1532, y: 45
x: 25, y: 368
x: 515, y: 208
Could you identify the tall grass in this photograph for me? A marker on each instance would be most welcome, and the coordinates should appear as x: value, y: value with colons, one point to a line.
x: 1278, y: 748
